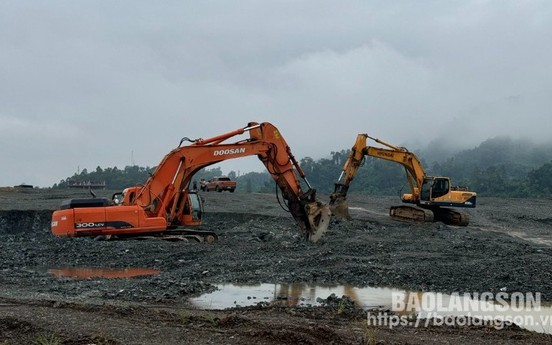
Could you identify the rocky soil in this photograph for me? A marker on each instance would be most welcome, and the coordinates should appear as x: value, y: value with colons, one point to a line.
x: 506, y: 247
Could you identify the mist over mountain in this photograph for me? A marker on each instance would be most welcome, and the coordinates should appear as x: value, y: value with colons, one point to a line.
x: 499, y: 166
x: 519, y: 156
x: 501, y: 148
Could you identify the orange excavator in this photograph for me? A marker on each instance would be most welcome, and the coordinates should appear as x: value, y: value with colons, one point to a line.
x: 433, y: 195
x: 165, y: 205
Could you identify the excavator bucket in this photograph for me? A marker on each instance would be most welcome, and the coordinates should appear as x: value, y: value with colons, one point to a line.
x: 318, y: 215
x: 339, y: 206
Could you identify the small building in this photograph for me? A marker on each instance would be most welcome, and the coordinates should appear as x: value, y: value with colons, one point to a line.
x: 86, y: 185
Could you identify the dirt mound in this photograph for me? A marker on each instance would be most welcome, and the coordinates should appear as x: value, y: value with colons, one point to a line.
x: 29, y: 221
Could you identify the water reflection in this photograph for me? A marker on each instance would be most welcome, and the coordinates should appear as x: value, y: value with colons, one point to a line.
x: 102, y: 272
x: 533, y: 316
x: 296, y: 294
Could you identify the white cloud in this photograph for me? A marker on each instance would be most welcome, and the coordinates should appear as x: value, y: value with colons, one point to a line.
x: 87, y: 83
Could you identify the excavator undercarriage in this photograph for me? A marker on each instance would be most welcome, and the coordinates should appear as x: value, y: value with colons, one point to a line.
x: 451, y: 217
x: 432, y: 214
x: 170, y: 235
x: 411, y: 214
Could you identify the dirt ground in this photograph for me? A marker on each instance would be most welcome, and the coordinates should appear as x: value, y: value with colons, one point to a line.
x: 506, y: 247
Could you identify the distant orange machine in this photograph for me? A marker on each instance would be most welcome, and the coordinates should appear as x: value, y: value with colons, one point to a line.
x: 91, y: 272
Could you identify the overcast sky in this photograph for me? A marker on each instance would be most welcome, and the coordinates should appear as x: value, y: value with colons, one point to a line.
x: 105, y: 83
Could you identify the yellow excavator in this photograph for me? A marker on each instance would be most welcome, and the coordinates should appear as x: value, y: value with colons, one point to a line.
x: 432, y: 195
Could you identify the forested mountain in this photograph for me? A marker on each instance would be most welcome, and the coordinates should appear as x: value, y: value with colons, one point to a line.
x: 501, y: 166
x: 113, y: 178
x: 497, y: 167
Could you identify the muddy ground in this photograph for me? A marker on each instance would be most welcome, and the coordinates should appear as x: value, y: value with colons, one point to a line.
x: 506, y: 247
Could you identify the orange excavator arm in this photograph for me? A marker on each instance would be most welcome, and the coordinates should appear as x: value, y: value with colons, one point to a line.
x: 166, y: 190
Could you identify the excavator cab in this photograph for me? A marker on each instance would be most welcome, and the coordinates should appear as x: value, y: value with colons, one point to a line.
x: 434, y: 187
x: 117, y: 198
x: 196, y: 207
x: 441, y: 186
x: 425, y: 194
x: 189, y: 209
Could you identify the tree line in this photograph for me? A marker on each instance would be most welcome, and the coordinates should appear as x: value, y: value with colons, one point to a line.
x: 500, y: 167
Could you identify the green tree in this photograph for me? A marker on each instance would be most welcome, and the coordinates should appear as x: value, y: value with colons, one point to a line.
x: 540, y: 180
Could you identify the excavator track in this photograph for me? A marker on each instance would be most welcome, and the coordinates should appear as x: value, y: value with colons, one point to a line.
x: 451, y: 217
x: 416, y: 214
x: 411, y: 214
x: 172, y: 235
x: 191, y: 234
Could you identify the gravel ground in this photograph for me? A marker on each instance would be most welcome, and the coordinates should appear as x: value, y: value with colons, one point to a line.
x: 506, y: 247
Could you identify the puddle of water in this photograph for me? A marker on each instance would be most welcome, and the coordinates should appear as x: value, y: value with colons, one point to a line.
x: 537, y: 318
x: 297, y: 294
x: 92, y: 272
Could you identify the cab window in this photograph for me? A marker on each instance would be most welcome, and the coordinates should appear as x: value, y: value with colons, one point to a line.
x: 440, y: 188
x: 196, y: 207
x: 426, y: 189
